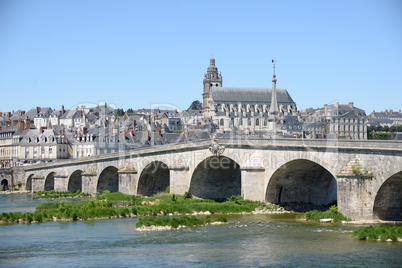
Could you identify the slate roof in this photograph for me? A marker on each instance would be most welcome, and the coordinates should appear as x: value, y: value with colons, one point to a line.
x: 254, y: 95
x: 70, y: 114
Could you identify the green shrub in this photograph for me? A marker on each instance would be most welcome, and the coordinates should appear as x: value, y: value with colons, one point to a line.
x: 332, y: 213
x: 382, y: 232
x: 187, y: 195
x: 175, y: 222
x: 29, y: 218
x: 221, y: 219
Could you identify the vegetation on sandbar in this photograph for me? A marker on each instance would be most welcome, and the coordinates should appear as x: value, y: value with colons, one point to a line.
x: 331, y: 213
x: 379, y: 233
x: 53, y: 194
x: 115, y: 205
x: 147, y: 223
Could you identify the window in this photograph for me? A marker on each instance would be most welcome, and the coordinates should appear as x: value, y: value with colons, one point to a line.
x: 257, y: 122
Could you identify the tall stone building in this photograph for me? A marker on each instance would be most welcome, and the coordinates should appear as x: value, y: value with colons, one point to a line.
x: 250, y: 109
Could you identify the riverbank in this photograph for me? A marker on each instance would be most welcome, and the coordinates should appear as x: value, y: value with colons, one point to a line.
x: 169, y: 223
x: 15, y: 192
x: 116, y: 205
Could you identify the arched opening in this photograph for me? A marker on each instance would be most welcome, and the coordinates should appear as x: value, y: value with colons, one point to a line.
x: 4, y: 185
x: 155, y: 178
x: 217, y: 178
x: 28, y: 184
x: 75, y: 181
x: 302, y: 182
x: 49, y: 182
x: 388, y: 202
x: 108, y: 180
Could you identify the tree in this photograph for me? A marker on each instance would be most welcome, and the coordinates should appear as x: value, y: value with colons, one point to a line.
x: 378, y: 128
x: 130, y: 110
x: 120, y: 112
x: 196, y: 105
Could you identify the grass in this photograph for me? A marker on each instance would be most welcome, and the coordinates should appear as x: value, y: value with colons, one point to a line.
x: 176, y: 222
x: 332, y: 213
x: 53, y: 194
x: 380, y: 233
x: 113, y: 205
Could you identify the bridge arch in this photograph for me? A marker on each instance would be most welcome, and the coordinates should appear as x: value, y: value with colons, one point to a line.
x: 28, y: 183
x: 302, y: 180
x: 75, y: 181
x: 154, y: 178
x: 4, y: 185
x: 388, y: 201
x: 108, y: 180
x: 49, y: 181
x: 217, y: 178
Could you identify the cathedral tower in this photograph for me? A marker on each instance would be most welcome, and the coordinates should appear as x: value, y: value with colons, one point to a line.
x: 211, y: 79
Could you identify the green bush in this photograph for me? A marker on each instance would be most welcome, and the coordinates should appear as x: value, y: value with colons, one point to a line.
x: 118, y: 204
x: 382, y: 232
x: 332, y: 213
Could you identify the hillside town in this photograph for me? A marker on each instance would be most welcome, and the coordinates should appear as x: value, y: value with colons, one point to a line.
x: 45, y: 134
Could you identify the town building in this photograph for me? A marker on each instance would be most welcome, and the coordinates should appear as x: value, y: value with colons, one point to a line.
x: 244, y: 109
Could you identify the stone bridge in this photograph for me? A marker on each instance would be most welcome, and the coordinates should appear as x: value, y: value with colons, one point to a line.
x: 363, y: 177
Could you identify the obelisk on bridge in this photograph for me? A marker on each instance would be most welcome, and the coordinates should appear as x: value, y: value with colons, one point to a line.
x: 274, y: 115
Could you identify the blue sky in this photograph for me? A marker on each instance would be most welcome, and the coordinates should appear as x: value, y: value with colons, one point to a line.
x: 138, y: 54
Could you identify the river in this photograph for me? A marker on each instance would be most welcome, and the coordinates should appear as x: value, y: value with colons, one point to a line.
x: 247, y: 241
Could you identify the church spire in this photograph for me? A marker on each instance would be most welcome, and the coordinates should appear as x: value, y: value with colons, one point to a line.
x: 274, y: 110
x: 211, y: 79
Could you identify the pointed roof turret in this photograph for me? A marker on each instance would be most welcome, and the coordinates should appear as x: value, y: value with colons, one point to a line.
x: 274, y: 101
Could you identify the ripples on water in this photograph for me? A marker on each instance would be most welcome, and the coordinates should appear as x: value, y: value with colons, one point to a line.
x: 247, y: 241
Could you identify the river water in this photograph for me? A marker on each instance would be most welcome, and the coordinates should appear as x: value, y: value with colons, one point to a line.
x: 247, y: 241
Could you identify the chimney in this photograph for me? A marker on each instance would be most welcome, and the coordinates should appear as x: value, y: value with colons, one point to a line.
x: 325, y: 109
x: 186, y: 134
x: 84, y: 130
x: 37, y: 110
x: 27, y: 123
x: 41, y: 129
x: 22, y: 112
x: 80, y: 113
x: 336, y: 104
x: 62, y: 110
x: 15, y: 122
x: 123, y: 135
x: 134, y: 124
x: 1, y: 128
x: 8, y: 115
x: 391, y: 111
x: 1, y: 114
x: 22, y: 126
x: 351, y: 104
x: 147, y: 136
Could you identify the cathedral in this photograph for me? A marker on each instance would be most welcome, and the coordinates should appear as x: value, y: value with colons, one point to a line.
x: 246, y: 110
